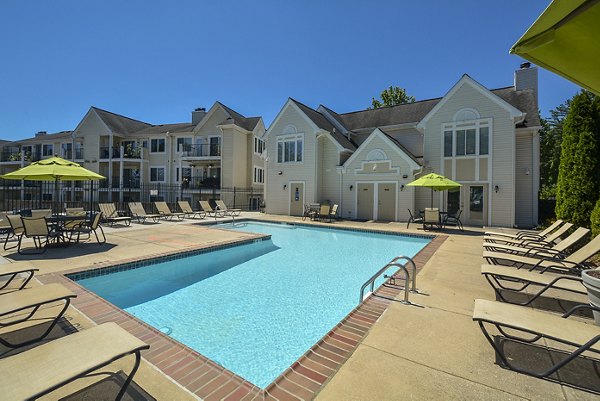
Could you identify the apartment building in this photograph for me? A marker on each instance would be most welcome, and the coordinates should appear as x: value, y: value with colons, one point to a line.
x: 217, y: 154
x: 486, y: 139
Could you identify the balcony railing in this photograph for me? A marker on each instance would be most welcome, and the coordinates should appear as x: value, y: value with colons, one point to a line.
x: 10, y: 157
x: 114, y: 152
x: 201, y: 151
x: 197, y: 183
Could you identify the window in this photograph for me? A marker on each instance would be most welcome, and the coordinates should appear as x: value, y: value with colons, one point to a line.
x: 186, y: 174
x: 215, y: 146
x: 157, y: 145
x: 259, y: 175
x: 290, y: 148
x: 448, y: 143
x: 183, y: 144
x: 66, y: 150
x: 47, y: 150
x: 157, y: 174
x: 467, y: 141
x: 259, y: 145
x: 484, y: 141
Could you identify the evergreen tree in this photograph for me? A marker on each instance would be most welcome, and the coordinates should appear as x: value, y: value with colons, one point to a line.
x: 550, y: 143
x: 578, y: 184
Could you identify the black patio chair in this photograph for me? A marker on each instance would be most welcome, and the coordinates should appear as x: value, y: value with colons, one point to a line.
x: 413, y: 219
x: 454, y: 219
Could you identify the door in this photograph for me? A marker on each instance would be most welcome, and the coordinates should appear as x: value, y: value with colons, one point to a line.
x: 365, y: 200
x: 477, y: 205
x: 296, y: 198
x: 386, y: 201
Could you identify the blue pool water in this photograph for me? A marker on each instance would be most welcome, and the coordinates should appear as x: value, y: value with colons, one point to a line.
x: 256, y: 308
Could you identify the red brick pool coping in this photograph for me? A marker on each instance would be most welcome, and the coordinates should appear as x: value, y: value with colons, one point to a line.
x: 210, y: 381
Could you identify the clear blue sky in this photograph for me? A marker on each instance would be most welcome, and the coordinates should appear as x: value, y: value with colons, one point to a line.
x: 156, y: 61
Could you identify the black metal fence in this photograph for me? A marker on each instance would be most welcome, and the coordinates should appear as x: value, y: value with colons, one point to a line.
x: 17, y: 195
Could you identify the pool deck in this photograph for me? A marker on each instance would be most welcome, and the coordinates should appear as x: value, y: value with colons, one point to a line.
x: 384, y: 351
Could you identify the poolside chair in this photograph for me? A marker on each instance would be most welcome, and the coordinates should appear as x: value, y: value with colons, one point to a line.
x: 575, y: 262
x: 166, y: 213
x: 111, y: 216
x: 36, y: 228
x: 39, y: 213
x: 41, y: 370
x: 9, y: 274
x: 228, y: 212
x: 323, y: 212
x: 138, y: 212
x: 210, y: 212
x: 413, y: 219
x: 75, y: 211
x: 535, y: 327
x: 549, y: 240
x: 5, y: 227
x: 16, y: 230
x: 454, y: 219
x: 541, y: 248
x: 88, y: 227
x: 22, y: 306
x: 500, y: 277
x: 432, y: 218
x: 528, y: 233
x: 188, y: 212
x: 333, y: 213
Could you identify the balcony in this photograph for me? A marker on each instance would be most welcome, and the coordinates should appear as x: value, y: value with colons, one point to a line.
x: 110, y: 152
x: 201, y: 151
x: 197, y: 183
x: 10, y: 157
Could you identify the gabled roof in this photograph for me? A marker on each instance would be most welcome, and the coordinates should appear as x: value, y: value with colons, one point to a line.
x: 385, y: 116
x: 47, y: 137
x: 164, y: 128
x: 391, y: 142
x: 247, y: 123
x: 119, y: 124
x: 523, y: 100
x: 321, y: 122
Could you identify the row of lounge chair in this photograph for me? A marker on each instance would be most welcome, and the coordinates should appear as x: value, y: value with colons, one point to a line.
x: 533, y: 263
x: 39, y: 371
x: 113, y: 216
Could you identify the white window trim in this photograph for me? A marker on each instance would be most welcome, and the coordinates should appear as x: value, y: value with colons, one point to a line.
x: 158, y: 139
x: 150, y: 173
x: 179, y: 171
x: 46, y: 145
x: 466, y: 125
x: 191, y: 138
x: 284, y: 138
x: 256, y: 169
x: 257, y: 139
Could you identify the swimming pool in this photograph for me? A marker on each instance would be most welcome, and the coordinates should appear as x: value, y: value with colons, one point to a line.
x: 256, y: 308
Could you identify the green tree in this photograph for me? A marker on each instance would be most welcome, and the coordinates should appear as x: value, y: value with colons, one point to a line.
x: 391, y: 97
x: 550, y: 144
x: 595, y: 219
x: 578, y: 185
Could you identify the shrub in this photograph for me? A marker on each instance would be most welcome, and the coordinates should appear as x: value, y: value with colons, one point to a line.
x: 595, y: 219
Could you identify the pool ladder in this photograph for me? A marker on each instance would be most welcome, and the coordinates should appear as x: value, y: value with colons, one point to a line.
x: 407, y: 277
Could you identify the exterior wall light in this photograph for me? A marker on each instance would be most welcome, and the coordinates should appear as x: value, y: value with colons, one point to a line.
x: 402, y: 187
x: 351, y: 187
x: 496, y: 189
x: 280, y: 173
x: 284, y: 187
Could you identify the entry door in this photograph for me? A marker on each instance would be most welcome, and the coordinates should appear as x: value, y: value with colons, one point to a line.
x: 477, y: 205
x: 365, y: 201
x: 296, y: 198
x: 386, y: 201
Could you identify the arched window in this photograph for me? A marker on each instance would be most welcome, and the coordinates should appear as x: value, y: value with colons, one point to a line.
x: 290, y: 130
x: 376, y: 154
x: 466, y: 115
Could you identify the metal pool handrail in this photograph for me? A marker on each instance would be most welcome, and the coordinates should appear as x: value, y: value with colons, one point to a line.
x: 414, y: 270
x: 393, y: 263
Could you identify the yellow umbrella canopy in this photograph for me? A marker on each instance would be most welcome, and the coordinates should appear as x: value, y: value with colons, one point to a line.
x: 53, y: 169
x: 435, y: 182
x: 564, y: 40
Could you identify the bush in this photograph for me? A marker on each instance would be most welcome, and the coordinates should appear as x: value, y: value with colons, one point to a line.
x: 578, y: 186
x: 595, y: 219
